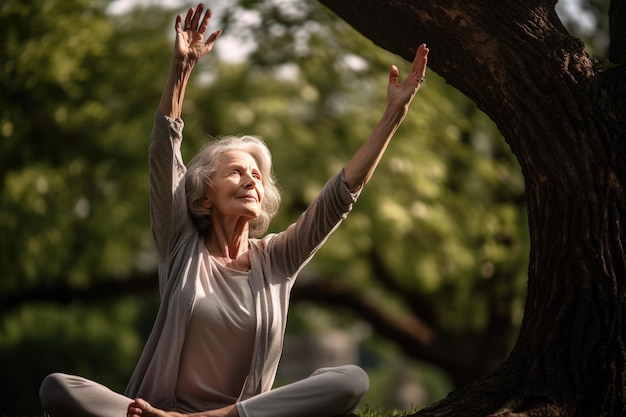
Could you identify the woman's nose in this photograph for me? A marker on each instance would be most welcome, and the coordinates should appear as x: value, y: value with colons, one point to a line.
x: 248, y: 181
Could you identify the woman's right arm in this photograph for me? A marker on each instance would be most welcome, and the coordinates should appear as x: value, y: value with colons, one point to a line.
x: 167, y: 197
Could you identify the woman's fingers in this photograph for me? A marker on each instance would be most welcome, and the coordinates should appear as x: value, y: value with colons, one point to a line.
x: 194, y: 21
x: 420, y: 61
x: 196, y: 17
x: 205, y: 21
x: 393, y: 75
x: 212, y: 38
x: 188, y: 18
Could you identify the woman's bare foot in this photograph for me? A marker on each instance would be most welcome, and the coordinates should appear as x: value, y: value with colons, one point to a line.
x: 142, y: 408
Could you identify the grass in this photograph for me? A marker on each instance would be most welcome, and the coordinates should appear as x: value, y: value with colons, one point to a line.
x: 375, y: 412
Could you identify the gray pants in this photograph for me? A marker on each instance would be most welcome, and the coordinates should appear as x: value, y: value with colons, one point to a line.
x: 327, y: 392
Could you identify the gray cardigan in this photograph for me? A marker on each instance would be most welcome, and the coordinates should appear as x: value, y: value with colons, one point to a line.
x: 275, y: 262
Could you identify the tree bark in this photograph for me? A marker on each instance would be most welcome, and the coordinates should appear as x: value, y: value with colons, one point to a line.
x: 564, y: 117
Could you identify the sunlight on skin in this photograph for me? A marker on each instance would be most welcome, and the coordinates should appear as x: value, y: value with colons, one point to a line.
x: 141, y: 408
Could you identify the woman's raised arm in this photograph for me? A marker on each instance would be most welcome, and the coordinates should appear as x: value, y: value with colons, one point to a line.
x: 360, y: 168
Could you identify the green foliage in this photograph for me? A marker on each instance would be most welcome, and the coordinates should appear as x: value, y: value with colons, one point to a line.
x: 73, y: 170
x: 93, y: 341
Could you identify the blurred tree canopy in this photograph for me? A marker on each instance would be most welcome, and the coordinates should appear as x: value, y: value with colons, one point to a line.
x: 435, y: 251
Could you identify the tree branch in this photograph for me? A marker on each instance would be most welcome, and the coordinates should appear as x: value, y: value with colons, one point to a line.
x: 63, y: 293
x: 463, y: 356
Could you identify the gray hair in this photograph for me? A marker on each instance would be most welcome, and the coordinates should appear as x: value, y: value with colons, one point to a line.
x: 206, y: 162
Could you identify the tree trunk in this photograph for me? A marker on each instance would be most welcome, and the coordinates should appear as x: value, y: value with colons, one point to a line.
x: 564, y: 117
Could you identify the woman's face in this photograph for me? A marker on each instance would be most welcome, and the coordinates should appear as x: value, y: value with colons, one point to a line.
x: 237, y: 189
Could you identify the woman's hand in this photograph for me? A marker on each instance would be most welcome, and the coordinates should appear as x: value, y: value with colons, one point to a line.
x: 399, y: 96
x: 190, y: 45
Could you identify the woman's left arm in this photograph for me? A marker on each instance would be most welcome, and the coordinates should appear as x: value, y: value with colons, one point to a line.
x: 361, y: 166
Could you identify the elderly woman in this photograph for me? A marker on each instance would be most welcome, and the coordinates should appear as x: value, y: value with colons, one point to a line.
x: 218, y: 336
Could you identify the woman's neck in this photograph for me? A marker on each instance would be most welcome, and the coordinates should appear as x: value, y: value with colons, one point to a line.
x: 233, y: 254
x: 227, y: 243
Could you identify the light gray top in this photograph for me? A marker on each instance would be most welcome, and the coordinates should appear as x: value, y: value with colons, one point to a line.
x: 216, y: 355
x: 275, y: 262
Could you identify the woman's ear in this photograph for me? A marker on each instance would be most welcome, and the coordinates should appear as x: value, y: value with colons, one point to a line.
x: 206, y: 200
